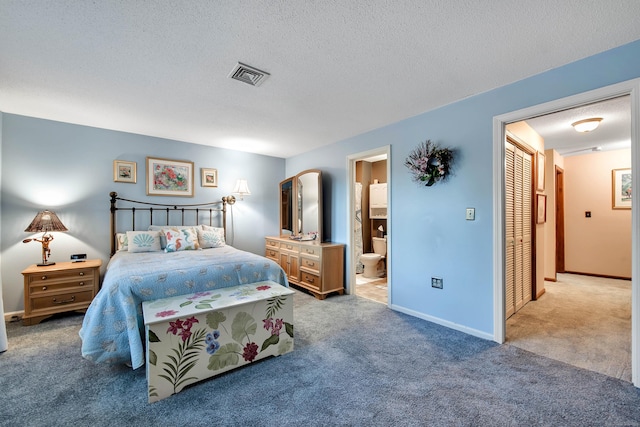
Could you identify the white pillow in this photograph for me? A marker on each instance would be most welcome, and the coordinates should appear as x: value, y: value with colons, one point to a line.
x: 183, y: 239
x: 211, y: 237
x: 143, y: 241
x: 122, y: 242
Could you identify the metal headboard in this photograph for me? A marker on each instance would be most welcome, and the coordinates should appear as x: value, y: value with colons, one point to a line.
x: 193, y: 211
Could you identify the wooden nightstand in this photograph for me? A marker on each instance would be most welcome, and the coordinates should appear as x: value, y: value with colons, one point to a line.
x: 64, y: 286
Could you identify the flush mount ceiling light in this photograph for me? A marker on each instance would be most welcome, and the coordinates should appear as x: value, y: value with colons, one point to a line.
x: 248, y: 74
x: 587, y: 125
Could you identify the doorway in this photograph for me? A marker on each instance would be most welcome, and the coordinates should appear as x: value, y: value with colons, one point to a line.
x: 631, y: 88
x: 375, y: 288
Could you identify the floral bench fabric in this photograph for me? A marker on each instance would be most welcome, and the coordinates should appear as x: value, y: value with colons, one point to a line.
x: 197, y: 336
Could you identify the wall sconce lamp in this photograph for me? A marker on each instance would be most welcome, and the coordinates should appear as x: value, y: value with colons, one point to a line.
x: 587, y: 125
x: 241, y: 188
x: 45, y: 221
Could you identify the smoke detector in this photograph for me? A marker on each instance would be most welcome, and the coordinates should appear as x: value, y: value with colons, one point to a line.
x: 248, y: 74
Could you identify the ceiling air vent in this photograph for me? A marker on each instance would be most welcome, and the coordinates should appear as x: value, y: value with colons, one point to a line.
x: 248, y: 74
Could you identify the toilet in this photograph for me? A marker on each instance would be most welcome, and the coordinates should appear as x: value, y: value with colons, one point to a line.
x: 372, y: 260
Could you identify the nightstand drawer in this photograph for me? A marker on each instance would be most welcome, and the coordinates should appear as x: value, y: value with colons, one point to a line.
x: 59, y: 300
x: 59, y: 276
x: 38, y: 287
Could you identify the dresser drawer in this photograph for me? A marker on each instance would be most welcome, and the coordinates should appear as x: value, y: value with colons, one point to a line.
x: 272, y: 253
x: 272, y: 244
x: 38, y: 287
x: 59, y: 300
x: 310, y: 264
x: 310, y: 280
x: 285, y: 246
x: 312, y: 251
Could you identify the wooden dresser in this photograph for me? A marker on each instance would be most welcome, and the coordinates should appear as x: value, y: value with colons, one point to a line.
x: 317, y: 267
x: 64, y: 286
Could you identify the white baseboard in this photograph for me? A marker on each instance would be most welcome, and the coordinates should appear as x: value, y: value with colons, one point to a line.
x: 14, y: 316
x: 445, y: 323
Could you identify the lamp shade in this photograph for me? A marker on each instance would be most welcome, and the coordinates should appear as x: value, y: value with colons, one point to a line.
x: 46, y: 221
x: 242, y: 188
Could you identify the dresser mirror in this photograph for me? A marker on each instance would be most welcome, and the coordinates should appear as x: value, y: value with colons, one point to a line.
x: 301, y: 206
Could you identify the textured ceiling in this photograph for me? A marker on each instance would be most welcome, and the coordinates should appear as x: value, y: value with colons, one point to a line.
x: 338, y: 68
x: 614, y: 132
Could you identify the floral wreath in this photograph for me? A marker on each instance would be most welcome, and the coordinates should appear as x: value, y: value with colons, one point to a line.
x: 428, y: 163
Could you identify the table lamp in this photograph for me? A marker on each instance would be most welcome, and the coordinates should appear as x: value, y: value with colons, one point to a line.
x: 45, y: 221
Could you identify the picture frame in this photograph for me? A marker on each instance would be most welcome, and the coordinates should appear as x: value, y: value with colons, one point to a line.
x: 540, y: 165
x: 209, y: 177
x: 621, y: 188
x: 124, y: 171
x: 541, y: 209
x: 167, y: 177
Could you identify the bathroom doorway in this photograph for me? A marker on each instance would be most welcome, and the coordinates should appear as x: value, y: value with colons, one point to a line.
x: 368, y: 218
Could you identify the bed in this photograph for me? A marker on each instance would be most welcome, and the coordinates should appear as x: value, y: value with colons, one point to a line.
x: 186, y: 254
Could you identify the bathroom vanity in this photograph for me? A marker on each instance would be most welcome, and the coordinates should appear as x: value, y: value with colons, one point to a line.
x: 309, y: 262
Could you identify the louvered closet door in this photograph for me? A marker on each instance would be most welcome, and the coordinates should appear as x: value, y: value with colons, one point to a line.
x: 518, y: 245
x: 510, y: 257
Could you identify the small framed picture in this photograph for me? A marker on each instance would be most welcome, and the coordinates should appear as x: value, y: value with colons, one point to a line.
x: 621, y: 188
x: 540, y: 171
x: 541, y: 216
x: 169, y: 177
x: 209, y: 177
x: 124, y: 171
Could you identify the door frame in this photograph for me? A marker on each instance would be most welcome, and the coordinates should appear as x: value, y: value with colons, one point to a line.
x: 351, y: 180
x: 632, y: 88
x: 559, y: 231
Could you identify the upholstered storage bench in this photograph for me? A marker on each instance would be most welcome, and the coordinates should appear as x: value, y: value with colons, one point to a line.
x: 193, y: 337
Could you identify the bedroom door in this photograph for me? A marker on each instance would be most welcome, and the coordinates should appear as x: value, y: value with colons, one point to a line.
x: 518, y: 228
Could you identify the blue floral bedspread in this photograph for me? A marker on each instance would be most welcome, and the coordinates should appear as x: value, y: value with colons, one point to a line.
x: 113, y: 329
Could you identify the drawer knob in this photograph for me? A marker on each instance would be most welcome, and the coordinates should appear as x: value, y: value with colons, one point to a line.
x: 310, y: 279
x: 44, y: 288
x: 81, y: 283
x: 44, y: 278
x: 82, y: 273
x: 73, y: 298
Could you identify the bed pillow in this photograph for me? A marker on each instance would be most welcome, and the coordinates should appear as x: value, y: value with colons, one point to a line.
x: 211, y: 237
x: 122, y: 243
x: 183, y: 239
x: 143, y: 241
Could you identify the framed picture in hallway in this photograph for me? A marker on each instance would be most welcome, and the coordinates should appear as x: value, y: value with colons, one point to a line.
x: 621, y: 188
x: 541, y: 202
x: 540, y: 171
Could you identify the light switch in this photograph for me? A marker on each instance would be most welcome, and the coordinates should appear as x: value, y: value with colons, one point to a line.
x: 471, y: 214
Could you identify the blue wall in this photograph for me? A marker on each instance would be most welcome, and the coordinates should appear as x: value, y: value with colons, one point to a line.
x: 69, y: 169
x: 430, y: 236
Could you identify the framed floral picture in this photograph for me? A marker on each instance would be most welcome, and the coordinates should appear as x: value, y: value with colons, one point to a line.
x: 621, y: 188
x: 209, y: 177
x: 169, y: 177
x: 124, y: 171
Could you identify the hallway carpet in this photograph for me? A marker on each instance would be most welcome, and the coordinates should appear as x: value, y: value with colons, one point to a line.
x: 581, y: 320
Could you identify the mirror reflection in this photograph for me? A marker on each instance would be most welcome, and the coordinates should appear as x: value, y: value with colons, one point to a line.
x: 301, y: 216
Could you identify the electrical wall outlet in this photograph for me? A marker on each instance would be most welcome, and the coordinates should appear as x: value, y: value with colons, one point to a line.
x: 436, y: 282
x: 471, y: 214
